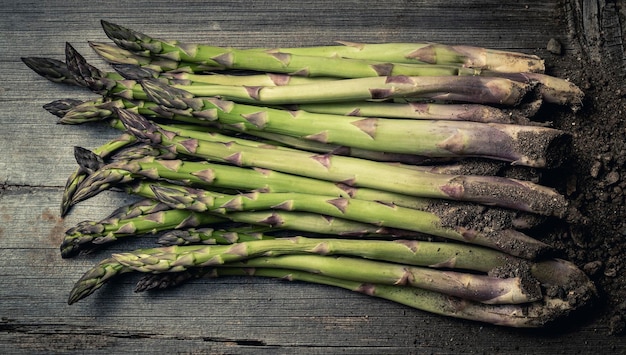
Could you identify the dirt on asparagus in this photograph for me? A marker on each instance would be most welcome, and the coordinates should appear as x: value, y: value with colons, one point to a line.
x: 593, y: 178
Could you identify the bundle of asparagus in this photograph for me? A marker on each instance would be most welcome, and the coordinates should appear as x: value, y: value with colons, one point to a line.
x: 385, y: 169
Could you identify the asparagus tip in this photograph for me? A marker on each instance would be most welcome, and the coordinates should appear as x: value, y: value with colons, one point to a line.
x: 85, y: 73
x: 61, y: 107
x: 88, y: 160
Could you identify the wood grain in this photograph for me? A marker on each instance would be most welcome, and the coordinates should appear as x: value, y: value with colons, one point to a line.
x: 232, y: 315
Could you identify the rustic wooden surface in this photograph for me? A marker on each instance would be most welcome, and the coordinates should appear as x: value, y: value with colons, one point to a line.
x: 236, y: 315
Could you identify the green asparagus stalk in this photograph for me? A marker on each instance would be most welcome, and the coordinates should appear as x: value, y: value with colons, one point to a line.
x: 427, y: 52
x: 97, y: 276
x: 220, y: 176
x: 231, y: 58
x: 375, y: 213
x: 439, y: 138
x: 510, y: 193
x: 533, y: 315
x: 338, y: 66
x: 134, y: 209
x: 78, y: 176
x: 424, y: 111
x: 88, y: 235
x: 463, y: 88
x: 62, y: 107
x: 323, y: 224
x: 211, y: 236
x: 481, y: 288
x: 98, y: 110
x: 440, y: 255
x: 470, y: 223
x: 262, y: 79
x: 117, y: 55
x: 232, y: 178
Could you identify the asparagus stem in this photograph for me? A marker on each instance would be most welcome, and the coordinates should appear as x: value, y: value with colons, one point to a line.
x: 97, y: 110
x: 428, y: 52
x: 75, y: 180
x: 372, y: 212
x: 536, y: 314
x: 441, y: 255
x: 439, y: 138
x: 268, y: 62
x: 210, y: 175
x: 134, y: 209
x: 211, y: 236
x: 89, y: 235
x: 263, y: 79
x: 421, y: 111
x: 117, y: 55
x: 492, y: 228
x: 510, y: 193
x: 533, y: 315
x: 312, y: 222
x: 552, y: 89
x: 485, y: 289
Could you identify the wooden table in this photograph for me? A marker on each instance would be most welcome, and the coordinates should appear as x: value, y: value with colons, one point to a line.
x: 231, y: 315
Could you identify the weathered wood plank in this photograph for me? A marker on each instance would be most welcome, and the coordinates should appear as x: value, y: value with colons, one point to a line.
x: 234, y: 315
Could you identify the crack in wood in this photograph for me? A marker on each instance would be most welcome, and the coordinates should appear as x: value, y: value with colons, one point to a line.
x: 241, y: 342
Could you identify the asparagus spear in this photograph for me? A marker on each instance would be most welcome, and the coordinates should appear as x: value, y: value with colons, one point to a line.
x: 209, y: 235
x: 88, y: 235
x: 186, y: 73
x: 533, y: 315
x: 463, y: 88
x: 423, y: 111
x: 324, y: 224
x: 211, y: 175
x: 78, y: 176
x: 427, y: 52
x: 517, y: 194
x: 117, y: 55
x: 375, y: 213
x: 307, y: 65
x: 438, y: 138
x: 262, y: 79
x: 536, y: 314
x: 233, y: 178
x: 134, y: 209
x: 442, y: 255
x: 267, y: 62
x: 52, y: 69
x: 97, y: 110
x: 481, y: 288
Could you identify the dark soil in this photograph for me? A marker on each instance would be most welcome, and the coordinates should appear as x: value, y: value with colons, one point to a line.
x: 594, y: 178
